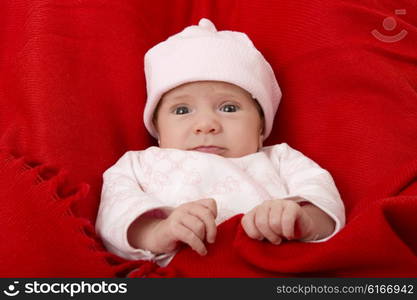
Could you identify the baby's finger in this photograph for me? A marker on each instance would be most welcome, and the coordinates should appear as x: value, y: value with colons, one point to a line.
x: 211, y: 204
x: 289, y: 217
x: 262, y: 223
x: 188, y: 237
x: 275, y: 218
x: 208, y: 220
x: 195, y: 225
x: 248, y: 224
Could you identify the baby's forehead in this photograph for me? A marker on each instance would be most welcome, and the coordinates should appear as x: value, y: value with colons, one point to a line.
x: 188, y: 90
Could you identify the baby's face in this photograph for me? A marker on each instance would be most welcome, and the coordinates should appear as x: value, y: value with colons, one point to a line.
x: 209, y: 116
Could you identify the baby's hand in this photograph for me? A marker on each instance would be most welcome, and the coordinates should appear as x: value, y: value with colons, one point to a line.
x: 277, y: 219
x: 190, y: 223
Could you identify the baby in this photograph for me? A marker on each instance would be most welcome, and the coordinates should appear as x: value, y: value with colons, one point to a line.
x: 212, y: 98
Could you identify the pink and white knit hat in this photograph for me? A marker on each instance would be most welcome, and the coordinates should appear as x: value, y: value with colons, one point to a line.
x: 202, y: 53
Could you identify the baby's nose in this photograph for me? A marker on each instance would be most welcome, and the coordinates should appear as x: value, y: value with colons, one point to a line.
x: 206, y: 126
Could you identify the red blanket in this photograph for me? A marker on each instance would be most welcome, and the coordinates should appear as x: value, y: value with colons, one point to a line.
x: 72, y: 94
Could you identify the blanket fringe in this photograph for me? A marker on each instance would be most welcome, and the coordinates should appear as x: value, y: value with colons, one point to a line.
x: 64, y: 196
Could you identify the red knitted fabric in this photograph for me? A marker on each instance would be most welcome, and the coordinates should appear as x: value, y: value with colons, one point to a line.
x: 72, y: 93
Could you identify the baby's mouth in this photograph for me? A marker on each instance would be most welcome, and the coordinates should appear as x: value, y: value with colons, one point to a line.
x: 210, y: 149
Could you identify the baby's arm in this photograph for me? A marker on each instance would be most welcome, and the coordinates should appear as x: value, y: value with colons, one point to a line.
x: 122, y: 202
x: 313, y: 207
x: 127, y: 227
x: 280, y: 218
x: 190, y: 223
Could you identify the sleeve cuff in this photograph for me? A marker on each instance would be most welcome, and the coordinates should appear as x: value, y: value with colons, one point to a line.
x: 141, y: 254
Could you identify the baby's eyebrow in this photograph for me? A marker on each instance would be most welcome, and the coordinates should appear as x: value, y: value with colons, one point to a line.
x: 176, y: 99
x: 179, y: 97
x: 227, y: 94
x: 184, y: 97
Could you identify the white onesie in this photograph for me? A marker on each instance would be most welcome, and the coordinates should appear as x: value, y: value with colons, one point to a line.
x: 154, y: 178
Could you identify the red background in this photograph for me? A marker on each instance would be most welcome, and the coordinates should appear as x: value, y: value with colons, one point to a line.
x: 72, y: 93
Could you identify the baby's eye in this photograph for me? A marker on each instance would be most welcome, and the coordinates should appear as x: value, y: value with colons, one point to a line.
x: 181, y: 110
x: 229, y: 108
